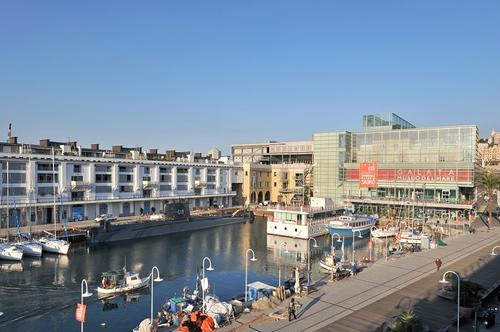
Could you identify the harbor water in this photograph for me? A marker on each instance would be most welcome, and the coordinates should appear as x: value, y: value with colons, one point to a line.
x: 40, y: 294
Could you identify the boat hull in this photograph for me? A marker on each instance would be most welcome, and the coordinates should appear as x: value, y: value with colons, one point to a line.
x: 55, y: 246
x: 103, y: 292
x: 296, y: 231
x: 349, y: 232
x: 30, y: 249
x: 10, y: 253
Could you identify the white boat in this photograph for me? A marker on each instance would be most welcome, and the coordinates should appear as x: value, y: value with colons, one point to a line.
x: 301, y: 222
x: 10, y: 252
x: 411, y: 237
x: 384, y: 232
x: 53, y: 245
x: 29, y: 248
x: 116, y: 283
x: 349, y: 225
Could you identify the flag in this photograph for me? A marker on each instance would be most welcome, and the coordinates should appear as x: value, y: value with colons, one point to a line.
x: 80, y: 313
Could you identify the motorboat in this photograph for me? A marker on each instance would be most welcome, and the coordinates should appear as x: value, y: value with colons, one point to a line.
x: 10, y: 252
x: 29, y: 248
x: 411, y: 236
x: 117, y: 283
x: 384, y: 232
x: 349, y: 225
x: 54, y: 245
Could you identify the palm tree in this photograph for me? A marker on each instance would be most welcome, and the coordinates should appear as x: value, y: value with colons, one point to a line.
x: 407, y: 321
x: 488, y: 183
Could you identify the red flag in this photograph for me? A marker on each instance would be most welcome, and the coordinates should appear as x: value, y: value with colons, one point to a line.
x: 81, y: 311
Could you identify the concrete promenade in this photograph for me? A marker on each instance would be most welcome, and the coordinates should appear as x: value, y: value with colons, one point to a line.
x: 366, y: 301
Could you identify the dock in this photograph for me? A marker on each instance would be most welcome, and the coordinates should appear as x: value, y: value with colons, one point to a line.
x: 369, y: 300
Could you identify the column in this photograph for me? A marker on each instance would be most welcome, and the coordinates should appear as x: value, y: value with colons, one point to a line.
x: 115, y: 180
x: 174, y: 179
x: 218, y: 184
x: 91, y: 181
x: 191, y: 179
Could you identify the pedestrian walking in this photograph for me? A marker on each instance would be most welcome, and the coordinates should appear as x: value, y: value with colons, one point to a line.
x: 438, y: 263
x: 291, y: 310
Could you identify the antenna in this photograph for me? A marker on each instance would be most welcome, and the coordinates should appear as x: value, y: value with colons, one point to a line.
x: 9, y: 134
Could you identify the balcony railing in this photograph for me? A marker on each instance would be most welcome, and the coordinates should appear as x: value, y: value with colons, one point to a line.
x: 148, y: 184
x: 82, y: 185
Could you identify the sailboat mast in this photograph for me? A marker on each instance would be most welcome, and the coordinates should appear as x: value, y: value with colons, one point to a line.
x: 29, y: 194
x: 8, y: 210
x: 54, y: 190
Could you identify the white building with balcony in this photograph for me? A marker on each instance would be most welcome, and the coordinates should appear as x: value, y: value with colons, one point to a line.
x: 90, y: 182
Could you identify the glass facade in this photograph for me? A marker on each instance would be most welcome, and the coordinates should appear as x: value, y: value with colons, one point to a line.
x: 435, y: 164
x: 388, y: 121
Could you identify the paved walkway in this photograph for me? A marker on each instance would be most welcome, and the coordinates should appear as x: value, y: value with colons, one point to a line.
x: 364, y: 302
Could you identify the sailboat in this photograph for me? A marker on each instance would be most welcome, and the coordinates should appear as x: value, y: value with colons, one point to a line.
x: 7, y: 250
x: 51, y: 243
x: 25, y: 243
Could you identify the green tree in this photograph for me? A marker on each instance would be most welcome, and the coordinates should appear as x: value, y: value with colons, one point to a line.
x: 488, y: 183
x: 407, y: 321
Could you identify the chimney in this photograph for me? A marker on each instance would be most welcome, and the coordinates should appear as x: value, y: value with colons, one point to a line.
x: 117, y: 148
x: 12, y: 140
x: 45, y: 142
x: 153, y: 151
x: 94, y: 146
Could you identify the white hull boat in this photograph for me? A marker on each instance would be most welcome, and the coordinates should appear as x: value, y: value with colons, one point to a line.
x: 30, y: 248
x: 411, y: 237
x: 54, y: 245
x: 10, y: 252
x: 110, y: 284
x: 384, y: 232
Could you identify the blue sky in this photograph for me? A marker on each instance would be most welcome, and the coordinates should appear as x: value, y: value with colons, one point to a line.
x: 190, y: 75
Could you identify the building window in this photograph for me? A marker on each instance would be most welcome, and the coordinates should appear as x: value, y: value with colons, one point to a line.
x: 103, y: 178
x: 246, y: 173
x: 275, y: 184
x: 102, y: 189
x: 103, y: 168
x: 77, y: 168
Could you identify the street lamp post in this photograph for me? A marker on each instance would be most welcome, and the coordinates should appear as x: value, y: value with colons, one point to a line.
x: 493, y: 250
x: 353, y: 238
x: 86, y: 294
x: 253, y: 259
x: 309, y: 258
x: 279, y: 263
x: 158, y: 279
x: 444, y: 281
x: 209, y: 268
x: 332, y: 250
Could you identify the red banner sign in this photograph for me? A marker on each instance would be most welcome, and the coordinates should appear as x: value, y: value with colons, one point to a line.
x: 368, y: 175
x: 446, y: 175
x: 80, y: 313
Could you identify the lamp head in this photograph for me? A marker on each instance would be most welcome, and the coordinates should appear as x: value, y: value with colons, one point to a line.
x: 87, y: 294
x: 253, y: 259
x: 339, y: 240
x: 315, y: 246
x: 210, y: 268
x: 158, y: 279
x: 444, y: 281
x: 360, y: 236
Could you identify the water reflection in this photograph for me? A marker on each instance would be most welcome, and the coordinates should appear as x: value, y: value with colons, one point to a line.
x: 40, y: 294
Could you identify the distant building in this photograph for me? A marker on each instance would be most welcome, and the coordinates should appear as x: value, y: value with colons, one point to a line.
x: 92, y: 181
x: 275, y: 171
x: 489, y: 152
x: 214, y: 153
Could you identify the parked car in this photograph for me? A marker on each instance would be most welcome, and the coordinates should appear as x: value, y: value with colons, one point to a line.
x: 105, y: 217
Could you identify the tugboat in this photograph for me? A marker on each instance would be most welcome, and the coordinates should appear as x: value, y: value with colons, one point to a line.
x: 114, y: 282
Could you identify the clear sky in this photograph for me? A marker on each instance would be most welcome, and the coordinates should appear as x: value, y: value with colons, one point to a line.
x: 190, y: 75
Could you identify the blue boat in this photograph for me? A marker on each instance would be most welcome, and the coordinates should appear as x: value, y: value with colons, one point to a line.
x: 348, y: 226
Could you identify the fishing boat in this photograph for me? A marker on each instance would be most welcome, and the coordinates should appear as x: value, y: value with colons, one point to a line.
x: 384, y: 232
x: 10, y: 252
x: 302, y: 221
x: 349, y: 225
x: 113, y: 283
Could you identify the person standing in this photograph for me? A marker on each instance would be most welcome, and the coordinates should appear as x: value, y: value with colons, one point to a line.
x: 438, y: 263
x: 291, y: 310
